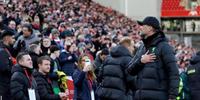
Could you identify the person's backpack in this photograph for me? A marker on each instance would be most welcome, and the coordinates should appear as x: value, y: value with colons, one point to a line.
x: 183, y: 90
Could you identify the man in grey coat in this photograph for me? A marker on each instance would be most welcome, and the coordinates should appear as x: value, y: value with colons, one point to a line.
x: 26, y: 39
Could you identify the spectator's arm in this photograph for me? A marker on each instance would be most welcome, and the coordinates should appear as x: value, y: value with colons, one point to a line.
x: 74, y: 58
x: 66, y: 58
x: 135, y: 65
x: 78, y: 77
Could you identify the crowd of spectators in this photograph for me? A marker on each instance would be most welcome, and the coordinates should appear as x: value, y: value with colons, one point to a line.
x: 75, y: 23
x: 183, y: 54
x: 66, y: 29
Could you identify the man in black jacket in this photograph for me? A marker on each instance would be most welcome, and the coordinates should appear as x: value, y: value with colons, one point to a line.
x: 6, y: 63
x: 155, y: 67
x: 43, y: 82
x: 116, y: 83
x: 23, y: 84
x: 98, y: 62
x: 193, y: 77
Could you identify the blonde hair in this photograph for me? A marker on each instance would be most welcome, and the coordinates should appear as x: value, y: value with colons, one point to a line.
x: 126, y: 40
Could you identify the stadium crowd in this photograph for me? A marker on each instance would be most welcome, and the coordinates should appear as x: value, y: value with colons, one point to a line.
x: 45, y: 41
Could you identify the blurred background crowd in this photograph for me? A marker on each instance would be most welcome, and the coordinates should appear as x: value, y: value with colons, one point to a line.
x: 66, y: 29
x: 81, y: 25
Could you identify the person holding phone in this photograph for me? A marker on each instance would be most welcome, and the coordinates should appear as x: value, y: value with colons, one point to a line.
x: 84, y: 80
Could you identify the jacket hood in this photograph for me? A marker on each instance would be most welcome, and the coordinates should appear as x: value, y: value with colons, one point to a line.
x: 119, y: 51
x: 195, y: 59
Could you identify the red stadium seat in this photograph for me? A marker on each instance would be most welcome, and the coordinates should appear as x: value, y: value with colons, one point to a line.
x: 172, y: 8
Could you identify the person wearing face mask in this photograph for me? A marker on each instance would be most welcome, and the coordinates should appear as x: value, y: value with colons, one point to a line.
x: 155, y: 66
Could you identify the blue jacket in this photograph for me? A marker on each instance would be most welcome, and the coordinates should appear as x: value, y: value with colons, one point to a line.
x: 81, y: 86
x: 67, y: 62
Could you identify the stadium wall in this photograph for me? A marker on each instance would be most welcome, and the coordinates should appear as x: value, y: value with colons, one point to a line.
x: 135, y: 9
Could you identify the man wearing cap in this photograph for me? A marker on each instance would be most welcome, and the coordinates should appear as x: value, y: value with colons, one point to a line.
x: 5, y: 63
x: 156, y: 68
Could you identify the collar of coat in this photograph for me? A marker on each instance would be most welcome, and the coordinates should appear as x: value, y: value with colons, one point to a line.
x: 153, y: 40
